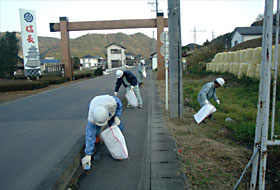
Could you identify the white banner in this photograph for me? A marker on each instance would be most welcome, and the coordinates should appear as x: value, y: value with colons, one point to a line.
x: 29, y: 40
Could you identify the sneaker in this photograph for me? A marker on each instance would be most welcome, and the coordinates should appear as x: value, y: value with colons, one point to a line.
x: 128, y: 106
x: 140, y: 106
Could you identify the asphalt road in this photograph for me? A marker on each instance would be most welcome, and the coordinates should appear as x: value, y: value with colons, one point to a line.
x: 36, y: 132
x: 108, y: 173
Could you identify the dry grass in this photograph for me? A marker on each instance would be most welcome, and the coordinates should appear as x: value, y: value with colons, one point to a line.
x: 211, y: 160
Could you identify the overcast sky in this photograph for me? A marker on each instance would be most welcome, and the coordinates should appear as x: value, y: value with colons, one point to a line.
x: 208, y: 16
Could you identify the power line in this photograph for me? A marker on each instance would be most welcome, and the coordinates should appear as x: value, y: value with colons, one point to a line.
x: 194, y: 33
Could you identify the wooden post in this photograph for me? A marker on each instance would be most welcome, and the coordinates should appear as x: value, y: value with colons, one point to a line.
x: 160, y: 58
x: 65, y: 48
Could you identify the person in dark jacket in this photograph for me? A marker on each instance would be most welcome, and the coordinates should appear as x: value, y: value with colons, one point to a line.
x: 129, y: 81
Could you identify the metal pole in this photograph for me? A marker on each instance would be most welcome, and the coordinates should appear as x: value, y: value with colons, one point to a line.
x: 275, y: 73
x: 265, y: 99
x: 166, y: 71
x: 175, y: 59
x: 244, y: 171
x: 260, y: 114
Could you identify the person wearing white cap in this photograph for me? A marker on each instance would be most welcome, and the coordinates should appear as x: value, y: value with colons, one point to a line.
x: 128, y: 79
x: 208, y: 91
x: 103, y: 110
x: 140, y: 70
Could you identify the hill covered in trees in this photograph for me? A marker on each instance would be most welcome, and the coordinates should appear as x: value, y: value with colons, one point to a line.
x: 94, y: 44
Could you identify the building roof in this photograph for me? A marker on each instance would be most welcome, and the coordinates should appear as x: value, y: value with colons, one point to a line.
x: 90, y: 56
x: 116, y: 45
x: 49, y: 61
x: 253, y: 30
x: 129, y: 54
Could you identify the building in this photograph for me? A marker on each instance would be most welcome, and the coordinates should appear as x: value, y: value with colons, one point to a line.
x: 50, y: 65
x: 90, y: 62
x: 115, y: 56
x: 154, y: 60
x: 129, y: 56
x: 242, y: 34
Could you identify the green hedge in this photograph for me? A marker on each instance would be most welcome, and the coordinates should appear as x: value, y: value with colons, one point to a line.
x: 44, y: 81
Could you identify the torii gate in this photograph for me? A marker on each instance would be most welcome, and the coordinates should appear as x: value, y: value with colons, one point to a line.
x: 64, y: 27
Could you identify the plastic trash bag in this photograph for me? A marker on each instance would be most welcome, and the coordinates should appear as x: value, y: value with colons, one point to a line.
x: 144, y: 73
x: 204, y: 112
x: 131, y: 98
x: 115, y: 142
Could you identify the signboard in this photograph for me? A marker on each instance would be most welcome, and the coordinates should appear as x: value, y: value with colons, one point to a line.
x: 164, y: 49
x: 164, y: 37
x: 29, y: 40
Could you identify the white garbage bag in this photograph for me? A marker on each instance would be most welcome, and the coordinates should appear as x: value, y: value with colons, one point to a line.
x: 204, y: 112
x: 144, y: 73
x: 115, y: 142
x: 131, y: 98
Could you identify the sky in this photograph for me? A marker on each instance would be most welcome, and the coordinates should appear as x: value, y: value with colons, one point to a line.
x: 211, y: 18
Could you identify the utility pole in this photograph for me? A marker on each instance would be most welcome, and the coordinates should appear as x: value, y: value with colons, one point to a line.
x: 175, y: 59
x: 152, y: 3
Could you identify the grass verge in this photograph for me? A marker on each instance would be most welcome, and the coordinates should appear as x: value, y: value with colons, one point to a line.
x: 215, y: 153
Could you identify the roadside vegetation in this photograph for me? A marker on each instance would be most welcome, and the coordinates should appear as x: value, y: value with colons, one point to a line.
x: 20, y: 84
x: 214, y: 153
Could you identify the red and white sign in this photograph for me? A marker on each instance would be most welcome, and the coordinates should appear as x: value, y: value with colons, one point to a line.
x: 29, y: 39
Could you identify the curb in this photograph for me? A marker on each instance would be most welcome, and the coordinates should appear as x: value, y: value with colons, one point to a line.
x: 62, y: 173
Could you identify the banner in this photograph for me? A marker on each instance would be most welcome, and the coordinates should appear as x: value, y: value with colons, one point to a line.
x: 30, y: 45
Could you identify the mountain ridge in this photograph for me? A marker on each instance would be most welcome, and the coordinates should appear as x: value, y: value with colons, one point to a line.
x: 94, y: 44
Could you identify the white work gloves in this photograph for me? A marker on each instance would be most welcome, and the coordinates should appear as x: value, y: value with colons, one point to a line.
x: 86, y: 160
x: 218, y: 102
x: 117, y: 120
x: 131, y: 87
x: 115, y: 93
x: 206, y: 102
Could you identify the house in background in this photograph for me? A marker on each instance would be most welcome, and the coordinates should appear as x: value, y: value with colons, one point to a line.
x: 242, y: 34
x: 130, y: 59
x: 129, y: 56
x: 90, y: 62
x: 50, y: 65
x: 115, y: 56
x: 153, y: 58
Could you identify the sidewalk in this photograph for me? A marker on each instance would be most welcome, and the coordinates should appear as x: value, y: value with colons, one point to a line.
x: 153, y: 162
x: 164, y: 163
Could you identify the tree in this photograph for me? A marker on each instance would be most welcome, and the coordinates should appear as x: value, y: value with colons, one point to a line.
x: 9, y: 49
x: 76, y: 62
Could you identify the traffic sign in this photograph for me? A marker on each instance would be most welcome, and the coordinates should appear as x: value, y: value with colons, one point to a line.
x: 164, y: 50
x: 164, y: 37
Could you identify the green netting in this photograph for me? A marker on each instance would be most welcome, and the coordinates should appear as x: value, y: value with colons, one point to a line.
x: 226, y: 67
x: 249, y: 55
x: 237, y: 57
x: 213, y: 67
x: 222, y: 67
x: 218, y: 58
x: 208, y: 66
x: 242, y: 56
x: 258, y: 69
x: 235, y: 69
x: 251, y: 71
x: 222, y: 58
x: 217, y: 70
x: 257, y: 56
x: 243, y: 70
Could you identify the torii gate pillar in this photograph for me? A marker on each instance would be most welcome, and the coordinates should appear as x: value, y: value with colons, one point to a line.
x: 65, y: 48
x: 160, y: 58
